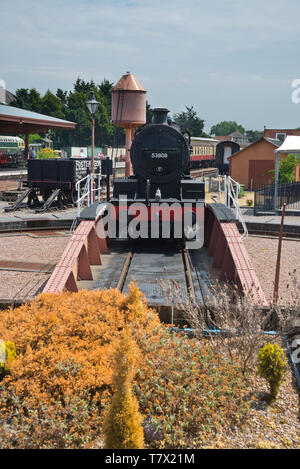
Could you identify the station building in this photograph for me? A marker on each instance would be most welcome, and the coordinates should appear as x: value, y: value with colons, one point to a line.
x: 251, y: 166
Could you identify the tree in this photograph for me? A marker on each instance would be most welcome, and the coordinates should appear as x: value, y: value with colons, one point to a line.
x: 62, y: 95
x: 27, y: 99
x: 190, y: 121
x: 149, y: 113
x: 226, y: 128
x: 254, y: 135
x: 51, y: 105
x: 287, y: 169
x: 33, y: 137
x: 105, y: 89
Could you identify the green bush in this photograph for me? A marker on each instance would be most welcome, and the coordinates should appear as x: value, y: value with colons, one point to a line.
x: 242, y: 192
x: 287, y: 167
x: 271, y: 365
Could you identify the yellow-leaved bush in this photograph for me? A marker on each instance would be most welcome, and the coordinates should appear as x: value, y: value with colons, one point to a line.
x: 123, y: 427
x: 271, y: 365
x: 7, y: 354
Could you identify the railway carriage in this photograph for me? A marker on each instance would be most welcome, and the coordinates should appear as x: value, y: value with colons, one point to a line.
x: 11, y: 150
x: 211, y: 153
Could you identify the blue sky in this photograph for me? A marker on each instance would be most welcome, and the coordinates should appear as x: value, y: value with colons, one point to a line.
x: 231, y: 59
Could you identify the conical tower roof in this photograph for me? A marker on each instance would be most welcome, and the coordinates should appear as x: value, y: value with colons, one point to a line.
x: 128, y: 82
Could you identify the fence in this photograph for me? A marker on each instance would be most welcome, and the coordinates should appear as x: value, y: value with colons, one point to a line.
x: 287, y: 193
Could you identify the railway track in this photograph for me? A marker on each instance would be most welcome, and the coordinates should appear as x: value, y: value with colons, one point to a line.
x: 204, y: 172
x: 156, y: 269
x: 166, y: 273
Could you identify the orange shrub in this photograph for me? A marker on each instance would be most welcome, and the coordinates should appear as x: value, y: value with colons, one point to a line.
x: 61, y: 379
x: 60, y: 384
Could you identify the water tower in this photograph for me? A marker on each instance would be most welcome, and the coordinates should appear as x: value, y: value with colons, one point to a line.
x: 128, y: 109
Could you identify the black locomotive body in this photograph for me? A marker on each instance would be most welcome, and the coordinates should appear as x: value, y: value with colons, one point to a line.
x: 160, y: 157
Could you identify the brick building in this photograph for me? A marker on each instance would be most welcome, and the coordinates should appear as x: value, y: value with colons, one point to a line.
x: 281, y: 134
x: 251, y: 166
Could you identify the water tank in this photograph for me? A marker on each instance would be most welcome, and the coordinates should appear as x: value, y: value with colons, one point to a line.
x: 128, y: 102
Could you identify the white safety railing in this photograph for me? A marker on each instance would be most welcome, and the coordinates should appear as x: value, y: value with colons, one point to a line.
x: 86, y: 189
x: 85, y: 194
x: 231, y: 190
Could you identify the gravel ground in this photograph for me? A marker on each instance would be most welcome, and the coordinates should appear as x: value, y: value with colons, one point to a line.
x: 21, y: 285
x: 45, y: 250
x: 263, y: 254
x: 27, y: 212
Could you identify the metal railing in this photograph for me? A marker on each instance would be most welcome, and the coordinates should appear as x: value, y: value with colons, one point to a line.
x: 230, y: 189
x: 288, y: 194
x: 85, y: 194
x: 85, y: 191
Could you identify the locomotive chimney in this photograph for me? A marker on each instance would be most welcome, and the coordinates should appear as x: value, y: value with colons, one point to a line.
x: 160, y: 116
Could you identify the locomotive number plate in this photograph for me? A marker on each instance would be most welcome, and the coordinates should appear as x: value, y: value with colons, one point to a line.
x: 159, y: 155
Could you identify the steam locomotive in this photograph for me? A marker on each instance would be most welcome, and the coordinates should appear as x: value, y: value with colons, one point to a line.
x: 160, y: 157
